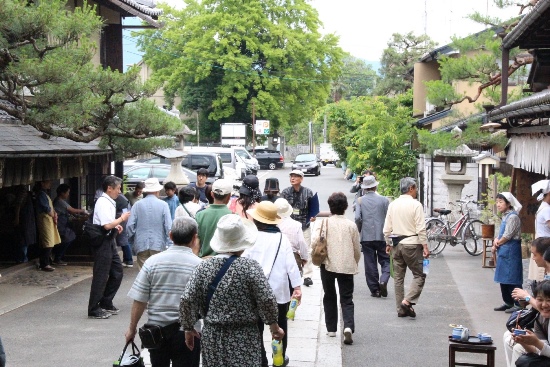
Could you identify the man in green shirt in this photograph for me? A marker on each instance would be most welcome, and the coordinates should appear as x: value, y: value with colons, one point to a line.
x: 208, y: 219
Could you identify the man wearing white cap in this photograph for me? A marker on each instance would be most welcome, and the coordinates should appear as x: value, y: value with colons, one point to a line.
x: 208, y: 219
x: 150, y: 222
x: 298, y: 197
x: 370, y: 214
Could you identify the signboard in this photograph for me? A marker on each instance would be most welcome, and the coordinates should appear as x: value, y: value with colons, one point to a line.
x: 262, y: 127
x: 233, y: 134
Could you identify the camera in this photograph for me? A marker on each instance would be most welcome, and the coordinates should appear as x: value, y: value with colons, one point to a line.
x: 361, y: 179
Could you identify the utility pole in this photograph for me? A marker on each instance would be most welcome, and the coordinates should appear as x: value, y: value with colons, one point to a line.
x: 198, y: 130
x: 325, y: 129
x: 253, y: 127
x: 310, y: 137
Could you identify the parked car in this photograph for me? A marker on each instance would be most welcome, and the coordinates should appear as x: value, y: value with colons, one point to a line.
x: 141, y: 172
x: 307, y: 163
x: 269, y: 158
x: 237, y: 158
x: 192, y: 160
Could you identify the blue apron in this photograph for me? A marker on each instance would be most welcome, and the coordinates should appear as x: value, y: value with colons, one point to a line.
x: 509, y: 265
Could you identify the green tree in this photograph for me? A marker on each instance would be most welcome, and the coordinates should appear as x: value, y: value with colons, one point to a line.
x: 357, y: 79
x: 375, y: 133
x: 47, y: 80
x: 397, y: 61
x: 222, y: 55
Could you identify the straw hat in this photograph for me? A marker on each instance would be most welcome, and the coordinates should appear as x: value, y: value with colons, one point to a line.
x: 265, y: 212
x: 152, y: 185
x: 284, y: 209
x: 233, y: 234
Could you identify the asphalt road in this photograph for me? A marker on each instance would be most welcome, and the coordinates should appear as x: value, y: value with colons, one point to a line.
x: 55, y: 330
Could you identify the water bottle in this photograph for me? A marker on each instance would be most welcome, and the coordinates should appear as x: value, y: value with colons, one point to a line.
x: 426, y: 266
x: 277, y: 346
x: 292, y: 309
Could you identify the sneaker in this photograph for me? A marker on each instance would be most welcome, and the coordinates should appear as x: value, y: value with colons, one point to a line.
x: 384, y: 289
x: 60, y: 263
x: 308, y: 282
x: 128, y: 265
x: 347, y: 336
x: 111, y: 310
x: 512, y: 309
x: 331, y: 334
x: 99, y: 315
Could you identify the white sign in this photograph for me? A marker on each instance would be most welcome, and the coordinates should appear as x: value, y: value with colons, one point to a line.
x: 262, y: 127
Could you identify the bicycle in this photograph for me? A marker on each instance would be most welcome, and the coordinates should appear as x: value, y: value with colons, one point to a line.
x: 465, y: 230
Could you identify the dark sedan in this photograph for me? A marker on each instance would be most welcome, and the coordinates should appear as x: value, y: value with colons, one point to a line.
x: 307, y: 163
x: 268, y: 158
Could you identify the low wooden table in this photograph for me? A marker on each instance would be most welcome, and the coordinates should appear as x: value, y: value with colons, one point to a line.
x: 488, y: 349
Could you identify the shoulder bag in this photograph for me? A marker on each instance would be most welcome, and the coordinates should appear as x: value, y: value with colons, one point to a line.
x: 522, y: 319
x: 319, y: 246
x: 212, y: 287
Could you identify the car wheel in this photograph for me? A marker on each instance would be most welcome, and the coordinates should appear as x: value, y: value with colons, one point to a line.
x: 318, y: 172
x: 324, y: 163
x: 272, y: 166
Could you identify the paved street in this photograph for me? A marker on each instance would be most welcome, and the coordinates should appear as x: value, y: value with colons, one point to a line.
x: 54, y: 330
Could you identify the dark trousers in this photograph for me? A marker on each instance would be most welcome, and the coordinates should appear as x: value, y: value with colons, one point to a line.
x: 373, y: 252
x: 283, y: 324
x: 175, y: 350
x: 345, y: 287
x: 60, y: 249
x: 45, y: 254
x: 506, y: 291
x: 127, y: 254
x: 107, y: 276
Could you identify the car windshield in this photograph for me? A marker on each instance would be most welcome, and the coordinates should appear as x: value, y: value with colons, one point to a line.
x: 306, y: 158
x: 242, y: 153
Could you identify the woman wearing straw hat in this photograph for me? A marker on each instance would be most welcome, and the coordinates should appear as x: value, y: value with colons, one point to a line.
x: 274, y: 253
x: 243, y: 295
x: 507, y: 245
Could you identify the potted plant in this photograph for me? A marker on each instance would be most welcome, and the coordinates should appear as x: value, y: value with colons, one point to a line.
x: 488, y: 217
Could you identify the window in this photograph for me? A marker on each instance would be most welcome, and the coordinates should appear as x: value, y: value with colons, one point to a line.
x: 226, y: 157
x: 139, y: 173
x: 160, y: 173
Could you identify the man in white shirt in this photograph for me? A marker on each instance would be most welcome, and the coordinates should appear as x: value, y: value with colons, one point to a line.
x: 107, y: 272
x: 405, y: 219
x: 542, y: 229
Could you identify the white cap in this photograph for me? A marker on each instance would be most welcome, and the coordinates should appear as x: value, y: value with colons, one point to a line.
x: 152, y: 185
x: 297, y: 172
x: 222, y: 187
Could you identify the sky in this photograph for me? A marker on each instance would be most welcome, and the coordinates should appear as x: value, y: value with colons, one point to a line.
x: 366, y: 26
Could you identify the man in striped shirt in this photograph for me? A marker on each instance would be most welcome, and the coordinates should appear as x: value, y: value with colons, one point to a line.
x: 158, y: 288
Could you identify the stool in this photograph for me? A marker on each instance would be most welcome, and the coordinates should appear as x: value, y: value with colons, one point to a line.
x: 487, y: 349
x: 487, y: 256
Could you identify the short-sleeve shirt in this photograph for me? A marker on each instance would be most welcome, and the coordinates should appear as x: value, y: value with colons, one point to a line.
x: 104, y: 210
x: 541, y: 221
x: 60, y: 206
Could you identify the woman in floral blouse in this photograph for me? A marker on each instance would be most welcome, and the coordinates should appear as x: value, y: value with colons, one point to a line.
x: 230, y: 335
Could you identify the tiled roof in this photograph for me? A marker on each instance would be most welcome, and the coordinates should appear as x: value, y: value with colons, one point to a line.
x: 21, y: 140
x: 138, y: 9
x: 536, y: 105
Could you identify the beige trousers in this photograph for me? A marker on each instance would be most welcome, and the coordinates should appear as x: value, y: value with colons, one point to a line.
x: 144, y: 255
x: 308, y: 268
x: 407, y: 256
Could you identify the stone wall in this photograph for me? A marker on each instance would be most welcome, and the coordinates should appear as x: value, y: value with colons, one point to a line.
x: 440, y: 191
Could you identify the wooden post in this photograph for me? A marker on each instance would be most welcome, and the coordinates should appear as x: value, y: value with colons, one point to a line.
x: 253, y: 127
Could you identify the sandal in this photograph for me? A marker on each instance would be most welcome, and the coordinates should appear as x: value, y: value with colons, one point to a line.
x: 408, y: 310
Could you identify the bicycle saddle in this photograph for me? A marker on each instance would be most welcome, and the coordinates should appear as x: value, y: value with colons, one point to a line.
x: 442, y: 211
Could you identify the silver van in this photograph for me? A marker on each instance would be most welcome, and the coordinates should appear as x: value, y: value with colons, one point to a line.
x: 236, y: 158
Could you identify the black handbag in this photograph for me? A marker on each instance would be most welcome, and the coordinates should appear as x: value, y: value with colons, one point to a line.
x: 94, y: 234
x: 532, y: 360
x: 132, y: 360
x: 151, y: 336
x: 522, y: 319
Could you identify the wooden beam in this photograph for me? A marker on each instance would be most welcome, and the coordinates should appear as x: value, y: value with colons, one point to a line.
x: 529, y: 129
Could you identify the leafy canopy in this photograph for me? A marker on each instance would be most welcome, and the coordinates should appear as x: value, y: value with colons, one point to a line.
x: 47, y: 80
x: 357, y: 79
x: 222, y: 55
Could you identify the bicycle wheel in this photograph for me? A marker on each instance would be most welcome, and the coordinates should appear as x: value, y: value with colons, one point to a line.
x: 471, y: 237
x: 437, y: 234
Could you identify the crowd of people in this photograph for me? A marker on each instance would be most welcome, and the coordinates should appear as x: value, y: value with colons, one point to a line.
x: 216, y: 268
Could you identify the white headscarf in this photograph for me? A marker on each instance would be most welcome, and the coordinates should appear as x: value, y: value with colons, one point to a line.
x: 512, y: 200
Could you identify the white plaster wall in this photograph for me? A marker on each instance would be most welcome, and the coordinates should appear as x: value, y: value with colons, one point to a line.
x: 441, y: 193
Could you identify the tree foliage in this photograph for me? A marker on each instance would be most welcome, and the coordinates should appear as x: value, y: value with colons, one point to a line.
x: 222, y: 55
x: 398, y: 59
x: 357, y: 79
x: 375, y: 133
x: 47, y: 79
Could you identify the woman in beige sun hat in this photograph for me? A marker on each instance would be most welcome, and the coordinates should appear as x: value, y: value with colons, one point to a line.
x: 274, y: 253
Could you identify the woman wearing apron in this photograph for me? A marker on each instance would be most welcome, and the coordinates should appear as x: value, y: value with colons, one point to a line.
x: 46, y: 220
x: 507, y: 245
